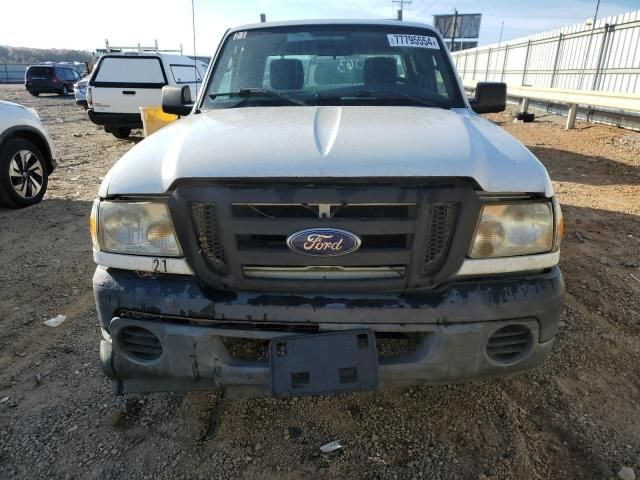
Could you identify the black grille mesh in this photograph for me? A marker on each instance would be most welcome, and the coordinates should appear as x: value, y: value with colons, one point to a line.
x: 208, y: 232
x: 442, y: 224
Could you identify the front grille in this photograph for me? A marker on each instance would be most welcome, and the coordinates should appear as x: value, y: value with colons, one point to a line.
x: 406, y: 234
x: 442, y: 223
x: 509, y: 343
x: 140, y: 343
x: 208, y: 233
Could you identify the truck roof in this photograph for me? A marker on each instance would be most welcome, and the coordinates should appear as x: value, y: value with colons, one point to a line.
x: 149, y: 53
x: 288, y: 23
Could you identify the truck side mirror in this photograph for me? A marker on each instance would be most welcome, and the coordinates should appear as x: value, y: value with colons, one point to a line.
x: 177, y: 100
x: 491, y: 97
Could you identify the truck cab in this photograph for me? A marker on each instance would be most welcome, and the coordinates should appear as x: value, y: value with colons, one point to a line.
x: 332, y: 204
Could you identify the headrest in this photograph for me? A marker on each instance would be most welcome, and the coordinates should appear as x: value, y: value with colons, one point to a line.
x: 286, y: 74
x: 380, y: 70
x: 326, y: 74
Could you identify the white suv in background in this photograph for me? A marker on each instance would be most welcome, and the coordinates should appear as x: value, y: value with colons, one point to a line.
x: 123, y: 82
x: 26, y: 156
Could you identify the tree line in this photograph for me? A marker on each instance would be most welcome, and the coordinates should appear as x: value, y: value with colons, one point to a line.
x: 36, y: 55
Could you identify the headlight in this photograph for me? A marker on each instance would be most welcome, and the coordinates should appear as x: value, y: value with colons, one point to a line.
x: 137, y: 228
x: 514, y: 229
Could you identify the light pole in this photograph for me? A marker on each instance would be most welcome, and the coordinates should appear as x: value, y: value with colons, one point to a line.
x: 453, y: 33
x: 402, y: 4
x: 586, y: 54
x: 595, y: 15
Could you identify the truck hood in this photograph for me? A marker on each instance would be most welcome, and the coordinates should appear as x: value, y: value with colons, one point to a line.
x: 329, y: 142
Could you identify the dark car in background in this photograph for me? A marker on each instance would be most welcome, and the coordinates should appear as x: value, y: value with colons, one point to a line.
x: 50, y: 78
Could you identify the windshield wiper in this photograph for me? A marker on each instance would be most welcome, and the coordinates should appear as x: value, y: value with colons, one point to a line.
x: 385, y: 95
x: 247, y: 93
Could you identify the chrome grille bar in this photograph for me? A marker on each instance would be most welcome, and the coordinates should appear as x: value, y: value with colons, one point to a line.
x: 324, y: 272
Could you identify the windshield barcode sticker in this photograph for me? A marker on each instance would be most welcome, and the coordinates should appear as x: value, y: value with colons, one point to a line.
x: 418, y: 41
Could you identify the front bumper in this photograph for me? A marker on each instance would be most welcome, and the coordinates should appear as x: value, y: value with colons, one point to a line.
x: 454, y: 324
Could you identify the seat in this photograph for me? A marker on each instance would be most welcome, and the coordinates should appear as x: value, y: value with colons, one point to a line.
x: 380, y: 70
x: 286, y: 74
x: 326, y: 74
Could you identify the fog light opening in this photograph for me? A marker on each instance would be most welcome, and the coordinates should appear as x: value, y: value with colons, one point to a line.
x: 140, y: 343
x: 509, y: 344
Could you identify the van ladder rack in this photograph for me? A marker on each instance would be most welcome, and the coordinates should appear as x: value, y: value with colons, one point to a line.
x: 139, y: 48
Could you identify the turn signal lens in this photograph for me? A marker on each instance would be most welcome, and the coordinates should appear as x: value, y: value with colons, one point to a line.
x: 558, y: 217
x: 93, y: 225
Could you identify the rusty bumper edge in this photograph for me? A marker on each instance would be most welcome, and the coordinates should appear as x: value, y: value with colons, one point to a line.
x: 539, y: 296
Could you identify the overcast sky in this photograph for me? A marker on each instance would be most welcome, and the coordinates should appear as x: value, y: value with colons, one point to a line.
x: 84, y: 25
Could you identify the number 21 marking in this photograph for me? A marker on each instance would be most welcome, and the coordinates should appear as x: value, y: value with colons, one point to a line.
x: 159, y: 265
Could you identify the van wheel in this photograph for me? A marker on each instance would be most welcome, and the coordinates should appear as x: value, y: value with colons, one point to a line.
x: 23, y: 174
x: 65, y: 91
x: 35, y: 94
x: 121, y: 132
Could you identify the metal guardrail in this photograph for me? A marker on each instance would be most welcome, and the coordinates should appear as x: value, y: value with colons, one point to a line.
x: 573, y: 98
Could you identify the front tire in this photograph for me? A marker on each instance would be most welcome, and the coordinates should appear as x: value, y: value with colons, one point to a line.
x: 23, y: 174
x: 35, y: 94
x: 65, y: 91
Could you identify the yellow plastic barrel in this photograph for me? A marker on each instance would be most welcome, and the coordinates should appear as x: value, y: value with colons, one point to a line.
x: 153, y: 118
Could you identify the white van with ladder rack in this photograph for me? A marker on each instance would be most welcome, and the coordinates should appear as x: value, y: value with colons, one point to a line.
x: 127, y: 78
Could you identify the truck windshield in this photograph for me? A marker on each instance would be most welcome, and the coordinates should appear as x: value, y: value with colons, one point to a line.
x: 333, y: 65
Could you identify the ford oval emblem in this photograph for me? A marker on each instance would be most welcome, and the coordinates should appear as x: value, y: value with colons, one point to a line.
x: 323, y: 242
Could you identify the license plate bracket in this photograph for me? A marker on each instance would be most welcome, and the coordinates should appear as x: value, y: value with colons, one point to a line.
x: 324, y: 363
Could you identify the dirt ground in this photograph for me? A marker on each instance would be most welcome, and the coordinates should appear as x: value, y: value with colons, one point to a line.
x: 577, y: 416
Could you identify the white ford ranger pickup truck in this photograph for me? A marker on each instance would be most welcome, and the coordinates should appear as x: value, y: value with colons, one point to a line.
x: 330, y: 214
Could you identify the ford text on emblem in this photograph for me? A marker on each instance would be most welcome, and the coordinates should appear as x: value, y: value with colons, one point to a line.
x: 323, y: 242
